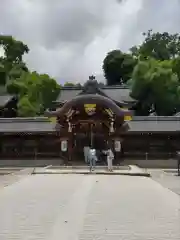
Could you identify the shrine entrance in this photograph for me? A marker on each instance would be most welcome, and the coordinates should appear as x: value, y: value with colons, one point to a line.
x: 91, y: 134
x: 89, y: 120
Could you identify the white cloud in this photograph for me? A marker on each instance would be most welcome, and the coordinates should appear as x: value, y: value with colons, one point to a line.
x: 69, y: 39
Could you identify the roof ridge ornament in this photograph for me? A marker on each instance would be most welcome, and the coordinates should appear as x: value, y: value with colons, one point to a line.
x: 92, y: 77
x: 91, y: 86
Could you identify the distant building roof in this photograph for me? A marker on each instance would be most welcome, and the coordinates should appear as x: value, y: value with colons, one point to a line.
x: 67, y: 94
x: 138, y: 124
x: 26, y: 125
x: 117, y: 93
x: 4, y: 99
x: 154, y: 124
x: 121, y: 94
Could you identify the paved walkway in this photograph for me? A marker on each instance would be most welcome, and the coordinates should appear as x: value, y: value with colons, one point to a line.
x: 79, y: 207
x: 9, y: 176
x: 167, y: 179
x: 130, y: 170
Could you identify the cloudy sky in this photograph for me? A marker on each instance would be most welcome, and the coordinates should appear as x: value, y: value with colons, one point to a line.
x: 69, y: 39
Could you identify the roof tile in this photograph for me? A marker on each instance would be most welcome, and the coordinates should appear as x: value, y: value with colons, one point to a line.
x: 154, y: 126
x: 67, y: 94
x: 44, y: 125
x: 116, y: 93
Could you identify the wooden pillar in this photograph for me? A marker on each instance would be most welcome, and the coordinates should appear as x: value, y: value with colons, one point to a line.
x: 70, y: 140
x: 110, y: 141
x: 70, y: 146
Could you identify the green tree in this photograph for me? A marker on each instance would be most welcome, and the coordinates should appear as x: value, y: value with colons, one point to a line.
x: 17, y: 70
x: 38, y: 89
x: 161, y: 46
x: 78, y: 85
x: 34, y: 91
x: 69, y: 84
x: 26, y: 108
x: 118, y: 67
x: 48, y: 88
x: 2, y: 75
x: 11, y: 64
x: 176, y: 66
x: 17, y: 87
x: 155, y: 86
x: 13, y: 49
x: 140, y: 88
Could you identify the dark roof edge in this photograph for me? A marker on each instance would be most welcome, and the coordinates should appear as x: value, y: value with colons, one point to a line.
x: 72, y: 88
x: 156, y: 118
x: 103, y: 87
x: 130, y: 131
x: 114, y: 87
x: 134, y: 118
x: 30, y: 119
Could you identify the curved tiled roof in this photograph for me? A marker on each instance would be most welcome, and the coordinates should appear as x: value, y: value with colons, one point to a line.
x: 116, y: 93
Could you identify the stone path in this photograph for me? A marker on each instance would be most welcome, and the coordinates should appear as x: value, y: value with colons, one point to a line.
x: 130, y: 170
x: 79, y: 207
x: 9, y: 176
x: 167, y: 179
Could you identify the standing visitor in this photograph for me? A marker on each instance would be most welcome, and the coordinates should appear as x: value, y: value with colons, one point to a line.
x: 110, y: 157
x: 92, y: 158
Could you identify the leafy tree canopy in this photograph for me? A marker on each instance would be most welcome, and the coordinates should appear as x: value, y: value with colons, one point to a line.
x: 161, y: 46
x: 152, y: 72
x: 39, y: 89
x: 71, y: 84
x: 155, y: 86
x: 11, y: 63
x: 13, y: 49
x: 118, y: 67
x: 35, y: 91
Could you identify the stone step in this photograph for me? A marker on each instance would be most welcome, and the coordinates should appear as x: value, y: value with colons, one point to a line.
x: 87, y: 167
x: 129, y: 170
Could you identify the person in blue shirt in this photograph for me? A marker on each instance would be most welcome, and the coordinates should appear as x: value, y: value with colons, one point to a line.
x: 92, y: 158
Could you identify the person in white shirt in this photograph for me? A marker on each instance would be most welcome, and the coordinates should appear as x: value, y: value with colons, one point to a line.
x: 110, y: 157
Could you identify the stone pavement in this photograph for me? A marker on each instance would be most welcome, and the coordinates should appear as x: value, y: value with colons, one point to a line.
x: 167, y: 179
x: 9, y: 175
x: 130, y: 170
x: 79, y: 207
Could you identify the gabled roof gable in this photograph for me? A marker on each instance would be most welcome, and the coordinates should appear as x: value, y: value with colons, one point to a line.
x: 119, y: 94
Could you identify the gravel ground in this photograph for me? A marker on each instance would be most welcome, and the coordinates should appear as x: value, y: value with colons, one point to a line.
x: 9, y: 176
x: 167, y: 179
x: 77, y: 207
